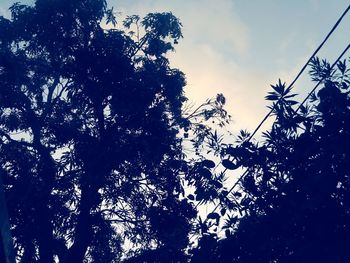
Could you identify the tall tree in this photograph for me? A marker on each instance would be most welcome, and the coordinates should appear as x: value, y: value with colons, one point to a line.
x: 90, y: 146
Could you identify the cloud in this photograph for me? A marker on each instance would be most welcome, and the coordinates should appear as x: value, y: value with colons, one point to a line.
x: 207, y: 21
x: 216, y: 42
x: 210, y: 72
x: 213, y: 36
x: 215, y: 23
x: 4, y: 12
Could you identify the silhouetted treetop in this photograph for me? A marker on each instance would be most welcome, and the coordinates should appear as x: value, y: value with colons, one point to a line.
x: 91, y: 133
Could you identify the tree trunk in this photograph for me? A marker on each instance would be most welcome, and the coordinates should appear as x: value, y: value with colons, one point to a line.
x: 44, y: 214
x: 6, y: 246
x: 45, y: 237
x: 83, y: 229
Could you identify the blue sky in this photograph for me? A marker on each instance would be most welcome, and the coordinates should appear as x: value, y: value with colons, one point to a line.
x: 240, y: 47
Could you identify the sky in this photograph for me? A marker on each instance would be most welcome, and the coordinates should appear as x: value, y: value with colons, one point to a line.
x: 240, y: 47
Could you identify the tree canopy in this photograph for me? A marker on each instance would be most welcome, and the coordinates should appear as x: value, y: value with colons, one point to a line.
x: 91, y: 129
x: 293, y: 203
x: 94, y: 141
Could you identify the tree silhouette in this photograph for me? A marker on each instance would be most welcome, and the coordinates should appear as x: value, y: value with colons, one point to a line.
x: 91, y: 134
x: 293, y: 204
x: 94, y: 134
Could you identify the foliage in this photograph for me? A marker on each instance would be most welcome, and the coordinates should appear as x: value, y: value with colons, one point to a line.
x: 91, y: 128
x: 293, y: 202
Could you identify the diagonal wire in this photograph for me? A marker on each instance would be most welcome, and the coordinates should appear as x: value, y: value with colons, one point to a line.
x: 290, y: 86
x: 300, y: 105
x: 301, y: 71
x: 313, y: 90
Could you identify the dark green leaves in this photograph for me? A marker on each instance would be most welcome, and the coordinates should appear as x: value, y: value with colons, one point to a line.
x: 99, y: 110
x: 223, y: 211
x: 281, y: 92
x: 320, y: 69
x: 191, y: 197
x: 214, y: 215
x: 230, y: 165
x: 129, y: 20
x: 208, y: 163
x: 162, y: 25
x: 220, y: 99
x: 110, y: 17
x: 204, y: 172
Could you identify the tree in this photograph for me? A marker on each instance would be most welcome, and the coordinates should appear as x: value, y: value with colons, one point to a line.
x: 294, y: 199
x: 91, y: 148
x: 6, y: 247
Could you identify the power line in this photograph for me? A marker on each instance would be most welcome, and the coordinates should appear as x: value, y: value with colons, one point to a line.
x: 300, y: 105
x: 313, y: 90
x: 290, y: 86
x: 301, y: 71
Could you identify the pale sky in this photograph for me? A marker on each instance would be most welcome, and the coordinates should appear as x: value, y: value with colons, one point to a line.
x: 240, y: 47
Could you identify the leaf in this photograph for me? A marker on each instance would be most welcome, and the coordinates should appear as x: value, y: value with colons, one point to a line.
x: 223, y: 211
x: 191, y: 197
x: 230, y: 221
x: 290, y: 96
x: 220, y: 98
x: 344, y: 85
x: 292, y: 102
x: 237, y: 194
x: 110, y: 17
x: 233, y: 151
x: 229, y: 164
x: 217, y: 184
x: 213, y: 215
x: 200, y: 195
x: 208, y: 163
x: 279, y: 87
x: 204, y: 172
x: 342, y: 66
x: 272, y: 96
x: 129, y: 20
